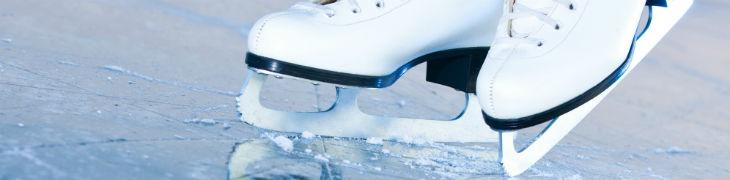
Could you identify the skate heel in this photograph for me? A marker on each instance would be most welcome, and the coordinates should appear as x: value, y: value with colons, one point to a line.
x: 456, y: 68
x: 660, y: 3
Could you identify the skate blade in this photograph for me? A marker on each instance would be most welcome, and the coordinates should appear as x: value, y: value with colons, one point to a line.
x: 344, y: 119
x: 516, y: 161
x: 284, y: 76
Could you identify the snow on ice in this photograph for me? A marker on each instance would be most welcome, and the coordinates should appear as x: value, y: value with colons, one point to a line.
x: 374, y: 140
x: 308, y: 135
x: 283, y: 143
x: 411, y: 140
x: 378, y: 168
x: 321, y: 158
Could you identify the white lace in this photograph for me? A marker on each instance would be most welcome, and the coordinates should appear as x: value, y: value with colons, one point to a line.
x: 523, y: 11
x: 329, y: 11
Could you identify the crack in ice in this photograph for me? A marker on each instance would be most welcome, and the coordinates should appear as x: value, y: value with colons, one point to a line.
x: 187, y: 86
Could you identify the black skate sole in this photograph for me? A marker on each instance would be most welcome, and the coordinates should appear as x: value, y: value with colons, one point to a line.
x: 450, y: 71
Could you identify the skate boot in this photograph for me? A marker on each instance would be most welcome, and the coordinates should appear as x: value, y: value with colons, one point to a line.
x: 369, y: 43
x: 554, y: 60
x: 554, y: 55
x: 356, y: 44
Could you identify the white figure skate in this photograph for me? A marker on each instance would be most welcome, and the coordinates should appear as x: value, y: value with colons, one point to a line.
x: 345, y: 119
x: 555, y: 60
x: 370, y: 44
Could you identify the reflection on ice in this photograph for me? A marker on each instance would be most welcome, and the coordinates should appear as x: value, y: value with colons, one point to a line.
x: 336, y: 158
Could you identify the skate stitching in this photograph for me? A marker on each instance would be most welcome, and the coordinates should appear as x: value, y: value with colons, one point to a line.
x: 258, y: 34
x: 492, y: 83
x: 260, y: 31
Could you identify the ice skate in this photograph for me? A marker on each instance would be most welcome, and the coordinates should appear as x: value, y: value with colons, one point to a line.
x: 555, y: 60
x: 357, y: 44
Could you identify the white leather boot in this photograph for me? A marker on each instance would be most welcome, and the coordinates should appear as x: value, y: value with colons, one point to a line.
x: 551, y: 56
x: 369, y: 43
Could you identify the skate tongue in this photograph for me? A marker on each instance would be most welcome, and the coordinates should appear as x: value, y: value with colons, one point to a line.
x: 524, y: 26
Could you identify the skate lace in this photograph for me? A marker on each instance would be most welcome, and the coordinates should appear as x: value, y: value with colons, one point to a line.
x: 318, y: 7
x: 519, y: 11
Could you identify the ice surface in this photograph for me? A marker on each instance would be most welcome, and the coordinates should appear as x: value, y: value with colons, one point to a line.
x: 67, y: 63
x: 127, y: 72
x: 674, y: 150
x: 172, y: 61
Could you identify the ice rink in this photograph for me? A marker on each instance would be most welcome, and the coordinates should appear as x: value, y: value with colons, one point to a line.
x: 145, y: 89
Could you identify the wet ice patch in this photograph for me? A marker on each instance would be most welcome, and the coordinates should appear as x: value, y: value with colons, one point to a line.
x: 283, y: 143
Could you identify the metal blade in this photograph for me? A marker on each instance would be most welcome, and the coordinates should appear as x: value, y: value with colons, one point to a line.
x: 346, y: 120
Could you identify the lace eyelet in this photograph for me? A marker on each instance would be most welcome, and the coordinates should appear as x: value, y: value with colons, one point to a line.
x: 540, y: 44
x: 571, y: 7
x: 379, y: 5
x: 355, y: 11
x: 557, y: 27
